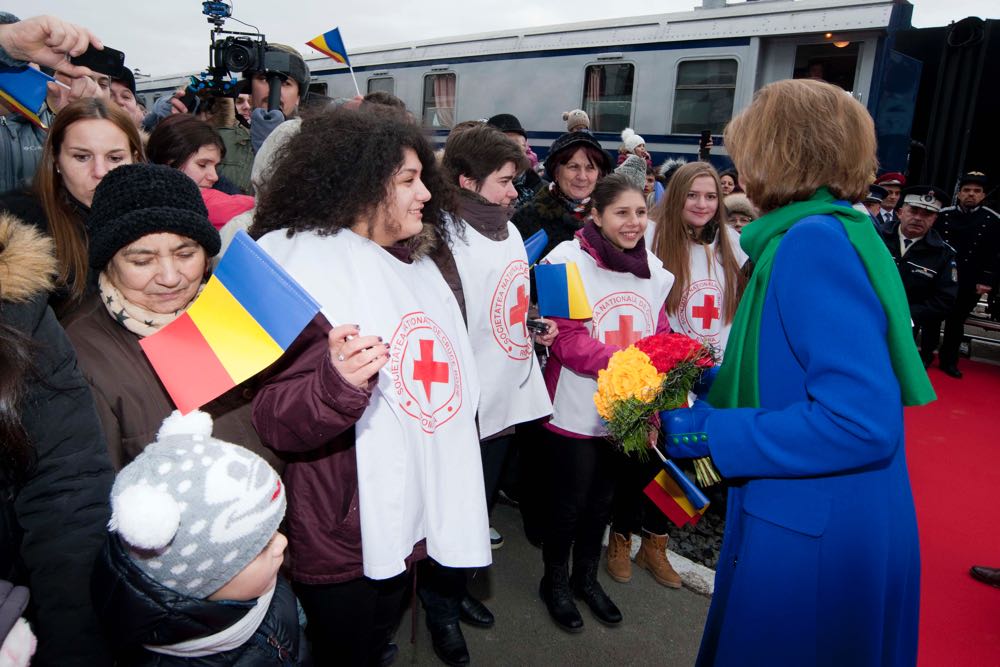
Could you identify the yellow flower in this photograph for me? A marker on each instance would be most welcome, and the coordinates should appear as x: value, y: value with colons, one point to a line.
x: 629, y: 374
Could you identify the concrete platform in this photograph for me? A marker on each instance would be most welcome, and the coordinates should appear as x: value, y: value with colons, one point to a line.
x: 662, y: 626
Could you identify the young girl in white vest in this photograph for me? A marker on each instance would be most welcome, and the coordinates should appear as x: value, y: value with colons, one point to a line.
x: 626, y: 287
x: 487, y: 258
x: 376, y: 418
x: 697, y: 245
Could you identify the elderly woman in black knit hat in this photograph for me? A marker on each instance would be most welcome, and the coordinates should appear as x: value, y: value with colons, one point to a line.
x: 575, y: 163
x: 150, y: 242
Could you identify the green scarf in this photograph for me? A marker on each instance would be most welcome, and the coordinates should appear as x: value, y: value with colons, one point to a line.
x: 737, y: 383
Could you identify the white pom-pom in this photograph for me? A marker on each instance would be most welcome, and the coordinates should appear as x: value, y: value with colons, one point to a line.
x: 627, y: 133
x: 145, y: 517
x: 193, y: 423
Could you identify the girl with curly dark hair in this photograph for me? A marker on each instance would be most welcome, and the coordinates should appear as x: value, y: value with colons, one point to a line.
x: 375, y: 417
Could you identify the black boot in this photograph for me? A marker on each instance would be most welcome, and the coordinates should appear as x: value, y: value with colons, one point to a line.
x: 449, y: 643
x: 558, y: 598
x: 587, y: 588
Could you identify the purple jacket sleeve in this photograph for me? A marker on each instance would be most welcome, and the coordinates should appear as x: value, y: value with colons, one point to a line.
x: 577, y: 350
x: 306, y: 403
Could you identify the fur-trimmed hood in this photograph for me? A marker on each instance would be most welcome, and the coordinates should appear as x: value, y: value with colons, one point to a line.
x: 27, y: 260
x: 427, y: 240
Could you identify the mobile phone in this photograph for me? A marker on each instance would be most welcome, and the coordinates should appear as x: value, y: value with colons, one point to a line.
x: 190, y: 100
x: 538, y: 326
x: 105, y: 61
x: 703, y: 149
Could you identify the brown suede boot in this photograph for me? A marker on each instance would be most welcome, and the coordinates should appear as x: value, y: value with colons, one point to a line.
x: 619, y: 557
x: 653, y: 557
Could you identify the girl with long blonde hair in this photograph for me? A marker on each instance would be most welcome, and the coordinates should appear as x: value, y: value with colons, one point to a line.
x: 695, y: 242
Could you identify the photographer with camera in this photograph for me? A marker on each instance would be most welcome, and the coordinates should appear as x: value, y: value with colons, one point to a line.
x: 285, y: 70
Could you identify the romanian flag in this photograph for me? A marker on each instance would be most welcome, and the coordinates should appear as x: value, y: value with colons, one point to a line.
x: 676, y: 495
x: 561, y: 293
x: 535, y: 244
x: 24, y: 89
x: 246, y: 317
x: 332, y: 45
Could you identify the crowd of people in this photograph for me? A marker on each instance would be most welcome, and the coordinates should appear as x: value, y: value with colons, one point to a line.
x: 371, y: 454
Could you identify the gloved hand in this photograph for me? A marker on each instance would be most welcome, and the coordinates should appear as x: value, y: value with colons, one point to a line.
x: 262, y: 123
x: 704, y: 383
x: 684, y: 431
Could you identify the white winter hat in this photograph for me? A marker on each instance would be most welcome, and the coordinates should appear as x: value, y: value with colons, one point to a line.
x: 631, y: 140
x: 194, y: 511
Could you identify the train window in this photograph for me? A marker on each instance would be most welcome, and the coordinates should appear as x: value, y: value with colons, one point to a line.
x: 439, y: 100
x: 319, y: 88
x: 828, y: 62
x: 607, y: 96
x: 385, y: 84
x: 703, y: 96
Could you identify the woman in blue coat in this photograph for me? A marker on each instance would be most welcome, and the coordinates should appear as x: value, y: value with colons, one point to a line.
x: 820, y: 563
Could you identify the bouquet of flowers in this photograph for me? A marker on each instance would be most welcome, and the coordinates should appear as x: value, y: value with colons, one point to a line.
x: 654, y: 374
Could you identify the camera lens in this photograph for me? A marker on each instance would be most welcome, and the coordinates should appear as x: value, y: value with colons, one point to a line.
x: 238, y: 58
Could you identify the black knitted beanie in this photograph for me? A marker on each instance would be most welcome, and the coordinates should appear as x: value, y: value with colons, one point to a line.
x: 139, y: 199
x: 572, y: 142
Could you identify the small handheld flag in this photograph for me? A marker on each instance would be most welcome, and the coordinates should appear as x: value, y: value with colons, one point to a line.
x: 676, y: 496
x: 332, y: 45
x: 535, y: 244
x: 24, y: 89
x: 249, y: 313
x: 560, y: 292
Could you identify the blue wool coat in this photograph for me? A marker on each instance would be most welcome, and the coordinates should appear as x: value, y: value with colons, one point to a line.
x: 820, y: 562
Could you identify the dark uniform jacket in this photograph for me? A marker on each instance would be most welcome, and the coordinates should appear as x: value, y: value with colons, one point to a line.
x: 975, y: 236
x: 929, y: 274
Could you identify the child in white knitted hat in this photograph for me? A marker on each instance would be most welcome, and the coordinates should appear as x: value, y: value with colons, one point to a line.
x: 633, y: 144
x: 190, y: 570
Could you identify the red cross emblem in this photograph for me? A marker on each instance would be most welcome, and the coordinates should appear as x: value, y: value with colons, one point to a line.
x: 625, y: 335
x: 519, y: 312
x: 427, y: 371
x: 706, y: 312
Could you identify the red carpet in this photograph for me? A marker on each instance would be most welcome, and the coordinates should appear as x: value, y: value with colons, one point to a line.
x: 953, y: 450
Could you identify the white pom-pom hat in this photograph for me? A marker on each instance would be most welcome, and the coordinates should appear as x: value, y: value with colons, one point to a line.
x: 631, y: 140
x: 192, y: 510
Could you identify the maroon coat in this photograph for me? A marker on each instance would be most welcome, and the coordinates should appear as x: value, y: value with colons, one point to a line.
x: 306, y: 413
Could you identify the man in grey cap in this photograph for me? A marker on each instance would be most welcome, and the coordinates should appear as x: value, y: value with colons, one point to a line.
x: 926, y: 263
x: 973, y: 230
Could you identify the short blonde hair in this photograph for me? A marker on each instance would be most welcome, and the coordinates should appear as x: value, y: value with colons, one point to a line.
x: 797, y: 136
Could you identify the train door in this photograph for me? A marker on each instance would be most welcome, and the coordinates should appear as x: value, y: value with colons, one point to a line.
x: 833, y: 62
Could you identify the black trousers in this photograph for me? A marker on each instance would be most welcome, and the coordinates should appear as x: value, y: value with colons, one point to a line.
x: 954, y: 330
x: 633, y: 511
x: 531, y: 478
x: 495, y: 455
x: 580, y: 477
x: 350, y: 623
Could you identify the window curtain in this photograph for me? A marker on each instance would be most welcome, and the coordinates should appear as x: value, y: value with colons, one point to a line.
x: 444, y: 99
x: 593, y: 97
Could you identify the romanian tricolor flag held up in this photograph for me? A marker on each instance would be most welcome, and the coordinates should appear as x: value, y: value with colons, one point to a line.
x: 332, y: 45
x: 561, y: 292
x: 534, y: 245
x: 677, y: 496
x: 246, y: 317
x: 24, y: 89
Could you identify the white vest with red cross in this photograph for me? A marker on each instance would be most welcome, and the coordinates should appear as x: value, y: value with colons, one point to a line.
x: 420, y: 474
x: 626, y: 308
x: 497, y: 294
x: 700, y: 314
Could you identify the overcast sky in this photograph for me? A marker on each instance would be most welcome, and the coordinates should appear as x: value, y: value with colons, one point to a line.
x: 172, y: 36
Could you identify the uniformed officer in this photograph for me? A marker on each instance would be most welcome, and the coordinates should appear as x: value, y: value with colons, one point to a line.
x: 926, y: 263
x: 974, y: 232
x: 893, y: 182
x: 873, y: 205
